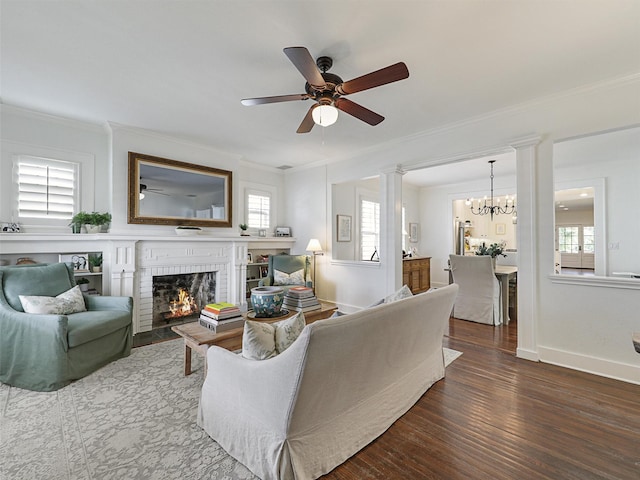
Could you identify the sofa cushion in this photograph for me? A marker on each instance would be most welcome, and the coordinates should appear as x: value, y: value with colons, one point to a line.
x: 283, y: 278
x: 261, y: 340
x: 53, y: 279
x: 86, y: 326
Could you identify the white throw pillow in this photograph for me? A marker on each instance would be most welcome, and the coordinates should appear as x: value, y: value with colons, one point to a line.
x: 262, y: 340
x: 66, y: 303
x: 282, y: 278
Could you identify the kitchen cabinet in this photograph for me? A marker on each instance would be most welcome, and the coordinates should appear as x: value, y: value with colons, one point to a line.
x: 416, y: 274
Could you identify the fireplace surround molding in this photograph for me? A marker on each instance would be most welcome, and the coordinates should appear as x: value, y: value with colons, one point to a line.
x: 129, y: 263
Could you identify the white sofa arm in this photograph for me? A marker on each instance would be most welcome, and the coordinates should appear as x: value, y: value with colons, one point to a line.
x: 248, y: 389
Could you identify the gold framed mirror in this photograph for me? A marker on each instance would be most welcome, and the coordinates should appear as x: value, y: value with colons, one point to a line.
x: 170, y: 192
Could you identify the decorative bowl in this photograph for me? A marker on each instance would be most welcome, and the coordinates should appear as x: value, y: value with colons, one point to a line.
x: 267, y: 301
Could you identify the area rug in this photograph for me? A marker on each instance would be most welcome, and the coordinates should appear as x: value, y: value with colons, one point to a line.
x: 133, y: 419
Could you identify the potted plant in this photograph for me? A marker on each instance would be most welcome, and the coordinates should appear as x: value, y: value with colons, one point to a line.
x: 243, y: 229
x: 95, y: 262
x: 492, y: 250
x: 78, y: 220
x: 83, y: 283
x: 96, y: 220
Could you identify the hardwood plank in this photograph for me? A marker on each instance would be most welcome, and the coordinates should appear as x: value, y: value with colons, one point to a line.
x: 496, y: 416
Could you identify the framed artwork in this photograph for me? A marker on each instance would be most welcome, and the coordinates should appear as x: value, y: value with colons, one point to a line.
x: 343, y: 228
x: 262, y: 232
x: 501, y: 229
x: 413, y: 232
x: 80, y: 261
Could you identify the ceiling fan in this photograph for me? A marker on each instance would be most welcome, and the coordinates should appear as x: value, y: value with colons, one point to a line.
x: 144, y: 188
x: 328, y: 90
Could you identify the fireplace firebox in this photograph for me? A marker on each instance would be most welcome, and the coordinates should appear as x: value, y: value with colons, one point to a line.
x: 179, y: 298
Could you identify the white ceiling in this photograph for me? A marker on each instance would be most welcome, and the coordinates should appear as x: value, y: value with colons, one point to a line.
x: 182, y: 67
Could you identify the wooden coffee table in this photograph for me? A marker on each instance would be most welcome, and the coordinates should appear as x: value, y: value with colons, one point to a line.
x: 198, y: 338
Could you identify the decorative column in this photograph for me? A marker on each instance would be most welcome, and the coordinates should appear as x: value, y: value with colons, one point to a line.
x: 391, y: 227
x: 527, y: 241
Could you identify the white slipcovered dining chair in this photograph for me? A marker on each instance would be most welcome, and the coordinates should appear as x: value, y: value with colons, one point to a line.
x: 479, y: 298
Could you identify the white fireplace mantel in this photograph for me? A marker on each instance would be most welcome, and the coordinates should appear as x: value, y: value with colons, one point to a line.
x: 130, y: 261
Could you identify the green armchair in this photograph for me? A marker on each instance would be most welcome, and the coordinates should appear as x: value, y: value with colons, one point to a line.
x: 286, y: 265
x: 44, y: 352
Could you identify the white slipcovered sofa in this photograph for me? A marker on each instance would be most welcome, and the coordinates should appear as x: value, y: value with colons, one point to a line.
x: 339, y: 386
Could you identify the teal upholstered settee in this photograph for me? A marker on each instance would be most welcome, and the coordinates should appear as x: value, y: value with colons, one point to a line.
x: 286, y: 267
x: 45, y: 352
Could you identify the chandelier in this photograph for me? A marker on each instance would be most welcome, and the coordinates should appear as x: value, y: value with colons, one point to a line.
x: 491, y: 207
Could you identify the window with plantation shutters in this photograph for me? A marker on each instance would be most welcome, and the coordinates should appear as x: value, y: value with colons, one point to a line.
x: 369, y: 228
x: 258, y: 210
x: 47, y: 188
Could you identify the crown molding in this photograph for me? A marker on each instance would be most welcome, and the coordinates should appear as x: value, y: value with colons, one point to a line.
x: 115, y: 126
x: 95, y: 127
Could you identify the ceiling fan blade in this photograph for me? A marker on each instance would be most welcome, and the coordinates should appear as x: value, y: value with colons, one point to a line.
x: 306, y: 65
x: 389, y: 74
x: 358, y: 111
x: 277, y: 99
x: 307, y: 122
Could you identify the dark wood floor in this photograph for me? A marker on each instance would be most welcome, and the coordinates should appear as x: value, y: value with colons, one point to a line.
x: 495, y: 416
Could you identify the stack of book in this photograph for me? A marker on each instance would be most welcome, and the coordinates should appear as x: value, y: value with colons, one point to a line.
x: 301, y: 299
x: 220, y: 317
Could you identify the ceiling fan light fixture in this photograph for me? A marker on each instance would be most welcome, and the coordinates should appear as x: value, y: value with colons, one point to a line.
x: 325, y: 115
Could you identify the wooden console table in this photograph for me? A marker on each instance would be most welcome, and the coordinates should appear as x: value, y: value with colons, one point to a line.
x: 416, y: 274
x: 198, y: 338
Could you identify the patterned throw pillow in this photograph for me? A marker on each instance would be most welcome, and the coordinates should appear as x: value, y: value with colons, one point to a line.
x: 66, y: 303
x: 262, y: 340
x: 403, y: 292
x: 282, y: 278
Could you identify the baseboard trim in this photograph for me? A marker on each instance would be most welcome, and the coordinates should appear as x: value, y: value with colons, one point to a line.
x: 530, y: 355
x: 597, y: 366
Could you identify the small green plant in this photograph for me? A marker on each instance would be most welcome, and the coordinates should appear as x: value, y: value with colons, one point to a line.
x: 80, y: 218
x: 82, y: 281
x: 95, y: 260
x: 492, y: 250
x: 243, y: 226
x: 96, y: 218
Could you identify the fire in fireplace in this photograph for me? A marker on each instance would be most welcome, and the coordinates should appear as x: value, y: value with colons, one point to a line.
x: 179, y: 298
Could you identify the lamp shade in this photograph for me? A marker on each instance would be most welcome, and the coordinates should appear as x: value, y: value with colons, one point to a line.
x: 325, y: 115
x: 314, y: 245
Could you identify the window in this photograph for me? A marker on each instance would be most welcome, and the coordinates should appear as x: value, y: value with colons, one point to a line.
x: 369, y: 229
x: 47, y: 188
x: 258, y: 210
x: 568, y: 241
x: 589, y: 239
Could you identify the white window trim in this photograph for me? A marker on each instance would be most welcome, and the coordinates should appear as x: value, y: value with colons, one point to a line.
x: 259, y: 189
x: 14, y: 150
x: 371, y: 196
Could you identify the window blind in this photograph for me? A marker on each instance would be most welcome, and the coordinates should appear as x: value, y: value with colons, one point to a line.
x: 258, y: 210
x: 46, y: 188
